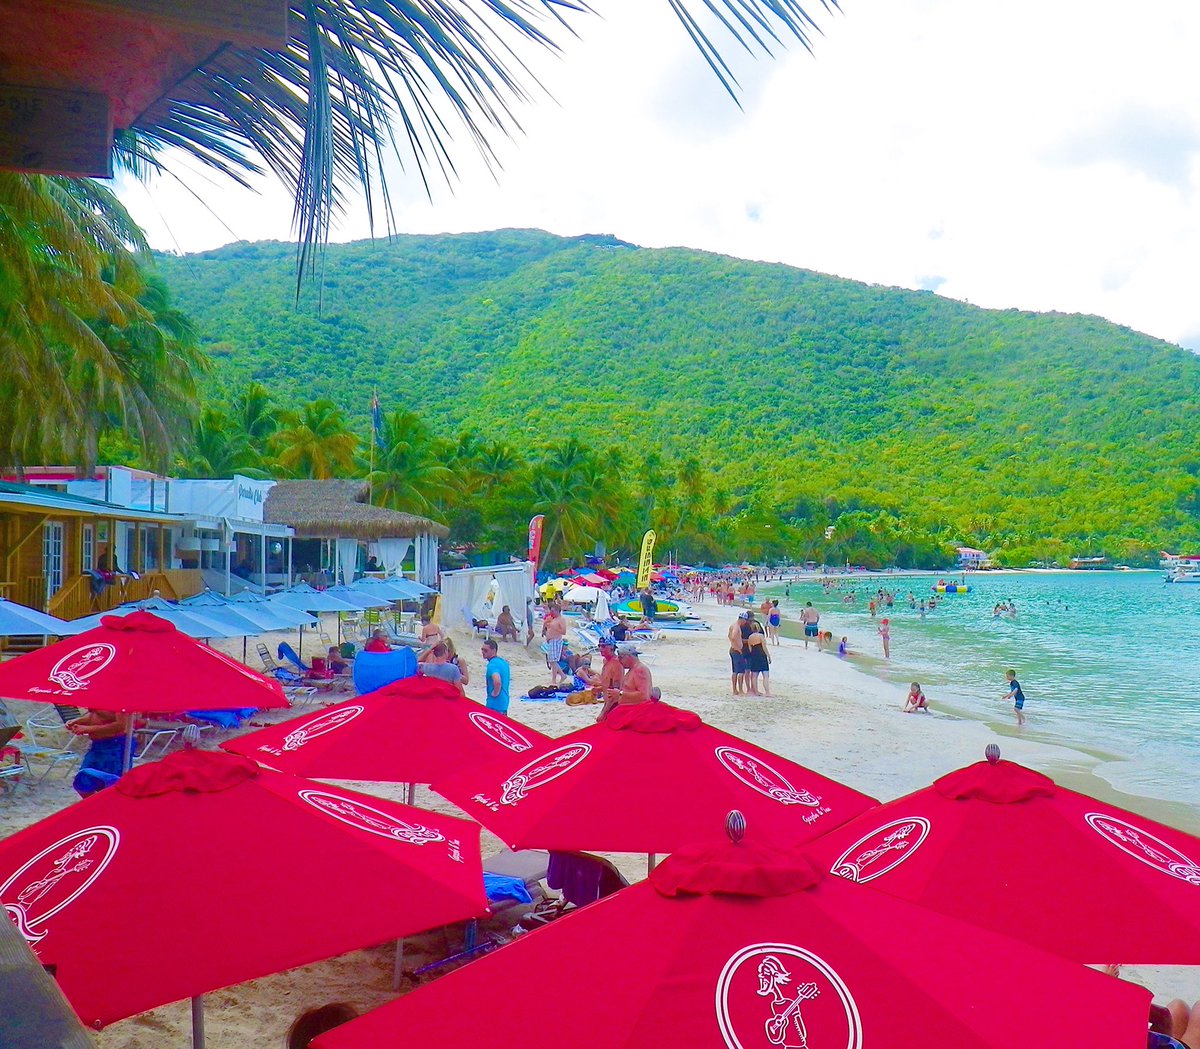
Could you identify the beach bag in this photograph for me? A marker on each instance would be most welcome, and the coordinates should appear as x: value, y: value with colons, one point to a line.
x: 539, y: 691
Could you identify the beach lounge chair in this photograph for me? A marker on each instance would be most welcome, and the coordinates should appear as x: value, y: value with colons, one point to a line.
x: 44, y: 739
x: 285, y: 651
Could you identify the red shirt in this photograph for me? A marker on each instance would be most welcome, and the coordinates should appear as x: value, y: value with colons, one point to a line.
x: 377, y: 644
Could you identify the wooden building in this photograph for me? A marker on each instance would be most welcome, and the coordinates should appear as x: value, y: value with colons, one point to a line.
x: 71, y: 556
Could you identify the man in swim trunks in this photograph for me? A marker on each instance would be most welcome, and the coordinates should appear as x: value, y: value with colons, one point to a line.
x: 810, y: 617
x: 554, y: 630
x: 737, y: 653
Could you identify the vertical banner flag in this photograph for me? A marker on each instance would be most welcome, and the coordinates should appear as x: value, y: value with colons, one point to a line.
x: 535, y: 542
x: 645, y: 561
x: 376, y: 419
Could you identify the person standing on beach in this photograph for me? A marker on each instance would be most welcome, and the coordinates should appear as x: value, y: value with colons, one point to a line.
x: 1015, y: 694
x: 554, y: 630
x: 774, y: 618
x: 496, y: 677
x: 649, y: 604
x: 810, y: 617
x: 885, y: 635
x: 737, y: 654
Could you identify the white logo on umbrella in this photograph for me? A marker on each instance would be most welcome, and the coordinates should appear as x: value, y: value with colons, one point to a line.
x: 56, y: 877
x: 495, y: 729
x: 788, y: 977
x: 1144, y: 846
x: 543, y: 770
x: 882, y: 850
x: 758, y: 775
x: 319, y: 726
x: 364, y: 817
x: 76, y: 667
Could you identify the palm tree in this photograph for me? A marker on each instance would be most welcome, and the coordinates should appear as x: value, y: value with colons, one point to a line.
x: 322, y: 114
x: 217, y: 448
x: 255, y: 415
x: 86, y: 340
x: 316, y: 442
x: 408, y: 474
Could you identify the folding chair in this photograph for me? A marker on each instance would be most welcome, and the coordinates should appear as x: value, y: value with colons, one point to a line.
x: 10, y: 771
x: 45, y: 739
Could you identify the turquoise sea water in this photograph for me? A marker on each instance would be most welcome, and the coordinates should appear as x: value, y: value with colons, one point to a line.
x: 1109, y: 661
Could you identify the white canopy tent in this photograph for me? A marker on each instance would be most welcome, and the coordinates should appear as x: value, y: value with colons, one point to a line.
x: 480, y: 593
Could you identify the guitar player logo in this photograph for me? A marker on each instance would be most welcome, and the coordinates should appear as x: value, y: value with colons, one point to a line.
x: 494, y: 728
x: 319, y: 726
x: 364, y: 817
x: 759, y: 776
x: 56, y: 877
x: 884, y: 849
x: 1144, y: 846
x: 779, y: 994
x: 543, y: 770
x: 74, y: 670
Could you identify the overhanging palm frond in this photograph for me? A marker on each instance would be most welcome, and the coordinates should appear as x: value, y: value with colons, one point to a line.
x: 359, y: 77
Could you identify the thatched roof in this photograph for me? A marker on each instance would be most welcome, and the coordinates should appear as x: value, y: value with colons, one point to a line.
x: 339, y: 509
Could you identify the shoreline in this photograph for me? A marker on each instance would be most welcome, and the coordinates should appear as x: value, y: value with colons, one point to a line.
x: 1073, y: 766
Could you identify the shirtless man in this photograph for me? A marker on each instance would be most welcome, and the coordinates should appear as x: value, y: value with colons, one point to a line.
x: 431, y: 633
x: 506, y: 626
x: 810, y: 617
x: 636, y: 683
x: 737, y: 654
x: 611, y: 673
x: 554, y: 630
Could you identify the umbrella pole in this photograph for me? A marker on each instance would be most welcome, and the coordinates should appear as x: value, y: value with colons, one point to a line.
x: 412, y: 793
x: 198, y: 1022
x: 651, y: 862
x: 127, y: 761
x: 399, y: 965
x: 300, y: 644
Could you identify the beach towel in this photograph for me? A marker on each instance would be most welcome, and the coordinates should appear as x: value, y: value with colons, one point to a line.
x: 550, y: 697
x: 501, y: 887
x: 224, y: 718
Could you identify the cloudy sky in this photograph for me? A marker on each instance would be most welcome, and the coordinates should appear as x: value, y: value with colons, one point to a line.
x: 1038, y: 155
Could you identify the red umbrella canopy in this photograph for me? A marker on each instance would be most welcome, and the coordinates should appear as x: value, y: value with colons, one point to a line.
x: 203, y: 870
x: 749, y: 947
x: 1005, y: 847
x: 649, y: 778
x: 413, y: 731
x: 140, y: 663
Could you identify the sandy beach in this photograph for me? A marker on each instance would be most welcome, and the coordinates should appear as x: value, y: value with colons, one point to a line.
x: 825, y: 713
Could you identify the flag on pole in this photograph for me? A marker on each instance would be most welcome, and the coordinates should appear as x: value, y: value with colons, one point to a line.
x: 535, y: 542
x: 376, y: 419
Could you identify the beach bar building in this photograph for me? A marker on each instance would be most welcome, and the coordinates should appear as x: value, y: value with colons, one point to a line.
x: 71, y: 555
x: 340, y: 526
x: 970, y: 559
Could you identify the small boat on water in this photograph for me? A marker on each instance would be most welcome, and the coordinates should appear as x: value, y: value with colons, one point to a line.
x: 1183, y: 575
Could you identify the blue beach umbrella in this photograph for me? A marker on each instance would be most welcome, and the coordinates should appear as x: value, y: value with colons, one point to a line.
x: 19, y: 619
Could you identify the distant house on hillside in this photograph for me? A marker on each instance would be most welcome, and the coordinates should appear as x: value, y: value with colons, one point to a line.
x: 970, y: 559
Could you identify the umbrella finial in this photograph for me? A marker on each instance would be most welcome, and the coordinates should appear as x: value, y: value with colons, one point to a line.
x: 992, y: 753
x: 735, y: 826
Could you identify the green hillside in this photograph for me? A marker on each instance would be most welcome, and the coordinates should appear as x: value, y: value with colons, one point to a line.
x: 817, y: 396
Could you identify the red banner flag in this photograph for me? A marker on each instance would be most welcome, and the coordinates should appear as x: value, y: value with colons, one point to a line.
x: 535, y: 542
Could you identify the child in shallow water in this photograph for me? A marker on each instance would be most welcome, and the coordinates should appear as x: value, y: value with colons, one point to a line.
x: 843, y: 651
x: 915, y: 700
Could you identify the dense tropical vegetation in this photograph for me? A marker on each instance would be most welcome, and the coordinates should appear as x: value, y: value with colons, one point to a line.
x: 739, y: 408
x: 90, y: 344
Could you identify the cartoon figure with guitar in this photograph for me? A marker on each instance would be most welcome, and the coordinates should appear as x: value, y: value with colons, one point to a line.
x: 786, y: 1027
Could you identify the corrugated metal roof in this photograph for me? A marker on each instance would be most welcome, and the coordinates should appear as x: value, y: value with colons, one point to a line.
x: 34, y: 497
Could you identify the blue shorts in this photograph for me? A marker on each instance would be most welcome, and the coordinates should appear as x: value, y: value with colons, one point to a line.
x: 1019, y: 704
x: 738, y: 661
x: 810, y: 630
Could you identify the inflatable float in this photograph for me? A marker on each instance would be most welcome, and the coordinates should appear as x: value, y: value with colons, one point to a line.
x: 952, y: 588
x: 632, y: 609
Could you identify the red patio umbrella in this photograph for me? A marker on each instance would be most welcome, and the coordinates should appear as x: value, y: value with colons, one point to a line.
x: 748, y: 947
x: 1005, y: 847
x: 133, y: 664
x: 413, y: 731
x: 203, y: 870
x: 649, y: 778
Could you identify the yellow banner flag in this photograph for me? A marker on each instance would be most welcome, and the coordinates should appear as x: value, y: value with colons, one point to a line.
x: 646, y: 560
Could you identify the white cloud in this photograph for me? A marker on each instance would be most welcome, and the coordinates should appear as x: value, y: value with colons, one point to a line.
x: 1044, y: 156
